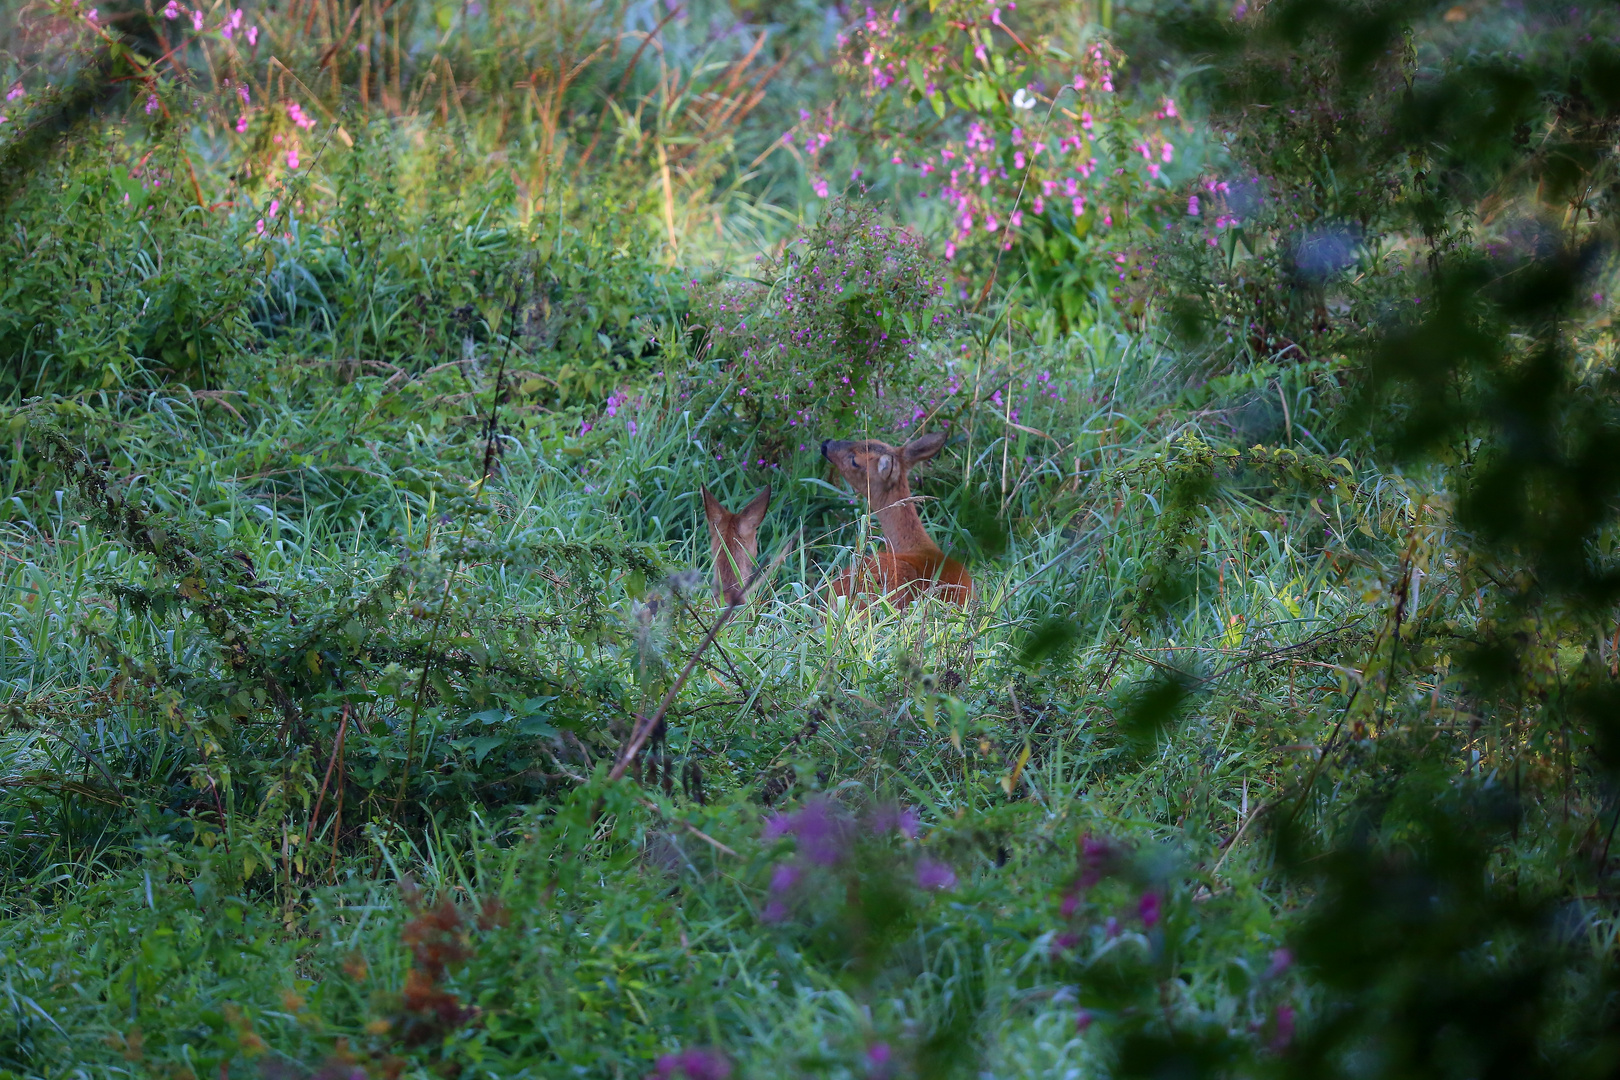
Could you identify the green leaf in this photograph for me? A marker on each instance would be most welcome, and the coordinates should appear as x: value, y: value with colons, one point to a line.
x: 482, y: 746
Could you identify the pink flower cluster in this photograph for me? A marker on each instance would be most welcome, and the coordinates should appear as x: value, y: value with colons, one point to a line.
x: 228, y: 29
x: 1005, y: 166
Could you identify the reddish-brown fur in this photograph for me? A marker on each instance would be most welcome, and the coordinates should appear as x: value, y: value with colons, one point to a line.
x: 914, y: 565
x: 734, y: 543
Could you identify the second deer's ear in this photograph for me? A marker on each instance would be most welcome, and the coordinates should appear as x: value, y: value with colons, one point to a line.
x: 749, y: 517
x: 922, y: 448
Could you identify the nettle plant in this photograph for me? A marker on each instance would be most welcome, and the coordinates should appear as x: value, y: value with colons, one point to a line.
x: 1019, y: 144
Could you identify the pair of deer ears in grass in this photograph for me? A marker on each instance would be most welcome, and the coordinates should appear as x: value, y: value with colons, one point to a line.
x: 870, y: 453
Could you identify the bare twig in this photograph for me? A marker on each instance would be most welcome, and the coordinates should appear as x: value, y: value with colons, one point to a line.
x: 648, y: 725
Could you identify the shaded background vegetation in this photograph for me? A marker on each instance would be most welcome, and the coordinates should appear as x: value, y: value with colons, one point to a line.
x: 361, y: 363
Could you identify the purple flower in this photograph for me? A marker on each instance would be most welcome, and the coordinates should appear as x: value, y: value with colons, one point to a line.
x: 1281, y: 961
x: 1148, y: 909
x: 879, y: 1060
x: 783, y: 878
x: 1082, y: 1020
x: 820, y: 833
x: 1285, y: 1027
x: 695, y: 1064
x: 889, y: 816
x: 934, y: 875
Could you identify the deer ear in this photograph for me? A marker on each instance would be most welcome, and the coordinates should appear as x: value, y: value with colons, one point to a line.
x: 713, y: 511
x: 922, y: 448
x: 749, y: 517
x: 885, y: 465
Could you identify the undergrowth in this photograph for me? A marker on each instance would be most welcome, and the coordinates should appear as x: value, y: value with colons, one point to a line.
x: 364, y: 710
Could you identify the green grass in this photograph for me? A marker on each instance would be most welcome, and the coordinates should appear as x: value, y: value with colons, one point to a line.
x: 306, y: 733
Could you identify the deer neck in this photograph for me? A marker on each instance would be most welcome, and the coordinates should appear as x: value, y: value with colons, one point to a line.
x: 902, y: 526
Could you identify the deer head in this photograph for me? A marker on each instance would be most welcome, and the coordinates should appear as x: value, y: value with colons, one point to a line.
x: 882, y: 473
x: 734, y: 543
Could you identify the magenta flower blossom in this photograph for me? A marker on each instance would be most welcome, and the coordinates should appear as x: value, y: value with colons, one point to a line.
x: 1281, y: 961
x: 252, y: 35
x: 1147, y: 909
x: 242, y: 124
x: 197, y: 21
x: 697, y: 1063
x: 1285, y: 1028
x: 1192, y: 206
x: 292, y: 158
x: 1082, y: 1020
x: 171, y: 10
x: 15, y: 92
x: 934, y: 876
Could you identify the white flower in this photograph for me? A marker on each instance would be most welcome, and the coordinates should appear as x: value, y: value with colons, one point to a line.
x: 1023, y: 99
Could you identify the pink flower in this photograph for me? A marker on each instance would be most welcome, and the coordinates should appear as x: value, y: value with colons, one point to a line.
x: 1018, y: 160
x: 4, y: 118
x: 950, y: 249
x: 1166, y: 153
x: 991, y: 224
x: 1040, y: 205
x: 1192, y: 206
x: 197, y: 21
x: 819, y: 186
x: 292, y: 158
x: 258, y: 227
x: 92, y: 17
x: 1281, y: 961
x: 1085, y: 120
x: 253, y: 35
x: 151, y: 104
x: 15, y: 92
x: 275, y: 207
x: 1016, y: 220
x: 296, y: 114
x: 242, y: 124
x: 171, y: 10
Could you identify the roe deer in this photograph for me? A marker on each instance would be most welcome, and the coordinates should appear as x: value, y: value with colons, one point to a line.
x: 914, y: 565
x: 734, y: 543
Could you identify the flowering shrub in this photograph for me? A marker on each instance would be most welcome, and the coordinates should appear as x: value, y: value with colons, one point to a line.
x: 1016, y: 144
x: 847, y: 317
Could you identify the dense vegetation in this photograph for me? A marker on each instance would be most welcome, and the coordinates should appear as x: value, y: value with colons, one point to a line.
x: 361, y: 363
